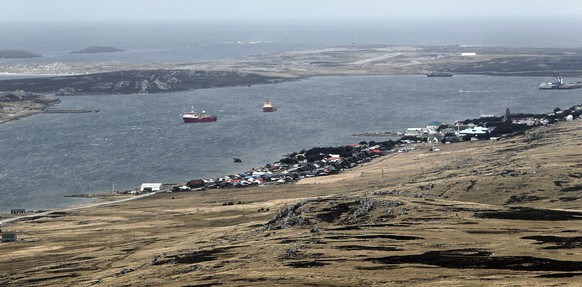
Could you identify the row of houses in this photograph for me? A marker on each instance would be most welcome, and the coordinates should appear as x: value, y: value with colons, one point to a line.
x: 292, y: 168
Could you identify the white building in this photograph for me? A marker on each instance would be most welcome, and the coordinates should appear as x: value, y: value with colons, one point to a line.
x: 474, y: 131
x: 414, y: 132
x: 150, y: 186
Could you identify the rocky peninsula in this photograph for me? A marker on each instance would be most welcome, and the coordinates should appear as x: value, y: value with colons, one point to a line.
x: 19, y: 104
x: 137, y: 82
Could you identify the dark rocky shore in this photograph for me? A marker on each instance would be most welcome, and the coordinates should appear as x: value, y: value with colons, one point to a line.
x: 15, y: 105
x: 136, y: 82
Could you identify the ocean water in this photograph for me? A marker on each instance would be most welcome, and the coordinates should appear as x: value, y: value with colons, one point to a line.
x: 141, y: 138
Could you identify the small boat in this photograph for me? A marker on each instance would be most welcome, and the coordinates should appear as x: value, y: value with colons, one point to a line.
x: 193, y: 117
x: 268, y: 106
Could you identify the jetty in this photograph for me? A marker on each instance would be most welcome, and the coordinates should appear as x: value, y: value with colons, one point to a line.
x: 68, y: 111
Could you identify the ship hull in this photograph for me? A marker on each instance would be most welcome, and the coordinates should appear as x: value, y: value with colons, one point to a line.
x: 199, y: 120
x: 561, y: 87
x: 268, y: 110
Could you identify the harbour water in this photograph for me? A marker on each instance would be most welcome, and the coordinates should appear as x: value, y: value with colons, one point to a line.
x: 141, y: 138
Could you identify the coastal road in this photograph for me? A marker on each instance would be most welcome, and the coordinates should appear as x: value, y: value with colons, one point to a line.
x: 90, y: 205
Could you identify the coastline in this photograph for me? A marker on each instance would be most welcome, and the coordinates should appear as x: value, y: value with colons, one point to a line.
x: 467, y: 205
x: 17, y: 105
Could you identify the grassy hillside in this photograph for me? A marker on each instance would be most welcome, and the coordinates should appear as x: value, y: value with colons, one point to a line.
x: 488, y: 213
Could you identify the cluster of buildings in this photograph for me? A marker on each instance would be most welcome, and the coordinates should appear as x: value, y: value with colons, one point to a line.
x: 489, y: 126
x: 295, y: 166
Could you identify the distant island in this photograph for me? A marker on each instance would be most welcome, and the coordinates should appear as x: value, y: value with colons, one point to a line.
x: 15, y: 54
x: 98, y: 49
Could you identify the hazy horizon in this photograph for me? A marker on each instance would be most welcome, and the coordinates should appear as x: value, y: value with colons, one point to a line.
x: 265, y: 10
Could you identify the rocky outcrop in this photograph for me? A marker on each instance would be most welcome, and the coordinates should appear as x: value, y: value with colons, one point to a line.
x: 18, y: 104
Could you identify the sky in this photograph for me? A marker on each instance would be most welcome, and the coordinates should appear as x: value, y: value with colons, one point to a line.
x: 136, y: 10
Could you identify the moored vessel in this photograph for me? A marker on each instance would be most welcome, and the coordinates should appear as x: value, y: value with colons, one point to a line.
x: 268, y: 106
x: 559, y: 84
x: 193, y: 117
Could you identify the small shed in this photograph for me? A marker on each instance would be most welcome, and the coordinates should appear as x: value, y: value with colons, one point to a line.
x: 8, y: 237
x: 150, y: 187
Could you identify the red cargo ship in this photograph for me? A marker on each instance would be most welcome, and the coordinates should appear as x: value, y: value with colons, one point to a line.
x: 194, y: 117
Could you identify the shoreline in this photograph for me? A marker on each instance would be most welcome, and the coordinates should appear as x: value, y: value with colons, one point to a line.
x: 470, y: 215
x: 71, y: 208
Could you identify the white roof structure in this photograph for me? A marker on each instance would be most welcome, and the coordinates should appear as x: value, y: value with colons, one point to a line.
x: 153, y: 186
x: 475, y: 131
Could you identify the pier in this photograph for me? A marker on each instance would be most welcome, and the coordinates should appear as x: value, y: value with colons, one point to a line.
x: 68, y: 111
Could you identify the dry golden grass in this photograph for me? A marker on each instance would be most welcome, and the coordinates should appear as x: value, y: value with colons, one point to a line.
x: 376, y: 225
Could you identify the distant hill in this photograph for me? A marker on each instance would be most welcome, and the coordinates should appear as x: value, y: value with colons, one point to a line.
x: 8, y: 54
x: 99, y: 49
